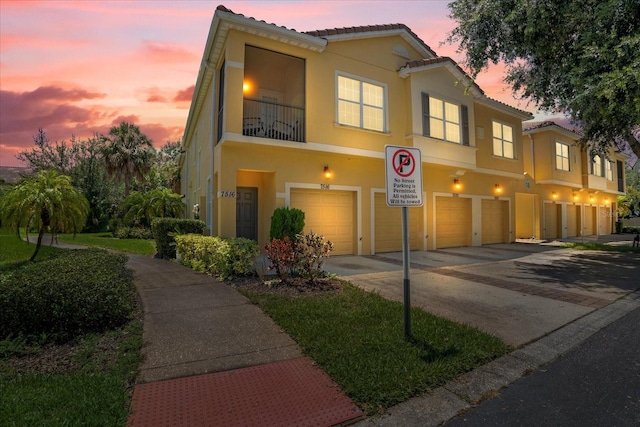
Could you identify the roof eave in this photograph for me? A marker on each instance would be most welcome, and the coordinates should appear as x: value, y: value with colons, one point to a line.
x: 513, y: 111
x: 424, y: 50
x: 552, y: 127
x: 221, y: 23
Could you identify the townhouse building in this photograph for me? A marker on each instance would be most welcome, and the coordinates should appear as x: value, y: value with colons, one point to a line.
x: 567, y: 192
x: 301, y: 119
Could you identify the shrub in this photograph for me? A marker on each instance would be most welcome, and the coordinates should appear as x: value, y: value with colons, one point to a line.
x: 312, y: 251
x: 67, y: 295
x: 133, y: 233
x: 631, y: 229
x: 281, y: 253
x: 306, y: 255
x: 286, y: 222
x: 165, y: 230
x: 222, y: 257
x: 618, y: 227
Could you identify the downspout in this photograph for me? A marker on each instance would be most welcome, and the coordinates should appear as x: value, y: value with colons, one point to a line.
x: 533, y: 176
x: 211, y: 206
x: 533, y: 159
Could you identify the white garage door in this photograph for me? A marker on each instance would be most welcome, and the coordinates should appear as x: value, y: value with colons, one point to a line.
x: 329, y: 213
x: 388, y: 226
x: 552, y: 221
x: 453, y: 222
x: 590, y: 218
x: 495, y: 221
x: 573, y: 220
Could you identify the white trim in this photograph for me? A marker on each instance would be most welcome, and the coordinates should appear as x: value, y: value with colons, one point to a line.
x: 360, y: 79
x: 514, y: 138
x: 288, y: 186
x: 406, y: 36
x: 448, y: 100
x: 555, y: 158
x: 310, y: 146
x: 233, y: 64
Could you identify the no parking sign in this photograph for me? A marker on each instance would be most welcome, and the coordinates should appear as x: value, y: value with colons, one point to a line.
x: 403, y: 170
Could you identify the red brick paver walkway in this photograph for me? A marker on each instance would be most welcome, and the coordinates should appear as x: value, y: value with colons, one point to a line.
x: 293, y: 392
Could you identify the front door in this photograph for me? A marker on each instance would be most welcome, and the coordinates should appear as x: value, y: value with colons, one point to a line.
x: 247, y: 213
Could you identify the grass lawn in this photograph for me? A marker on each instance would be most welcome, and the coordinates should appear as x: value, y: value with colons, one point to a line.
x: 14, y: 251
x: 357, y: 337
x: 107, y: 241
x: 84, y: 382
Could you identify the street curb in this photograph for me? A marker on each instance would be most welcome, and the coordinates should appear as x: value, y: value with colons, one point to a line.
x: 462, y: 393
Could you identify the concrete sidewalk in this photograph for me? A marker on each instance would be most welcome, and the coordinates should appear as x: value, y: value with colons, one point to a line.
x: 213, y: 358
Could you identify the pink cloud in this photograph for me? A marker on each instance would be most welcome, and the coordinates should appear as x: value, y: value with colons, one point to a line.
x: 56, y: 110
x: 185, y: 95
x: 166, y: 52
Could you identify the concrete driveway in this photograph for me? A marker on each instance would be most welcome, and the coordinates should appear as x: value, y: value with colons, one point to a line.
x: 518, y: 292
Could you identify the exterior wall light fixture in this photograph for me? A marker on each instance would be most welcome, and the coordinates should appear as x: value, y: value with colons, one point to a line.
x: 498, y: 189
x: 575, y: 197
x: 606, y: 201
x: 554, y: 195
x: 591, y: 198
x: 456, y: 184
x: 327, y: 172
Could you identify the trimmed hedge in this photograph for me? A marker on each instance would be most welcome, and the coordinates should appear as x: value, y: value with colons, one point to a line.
x: 165, y: 230
x: 133, y: 233
x: 219, y: 256
x: 69, y: 294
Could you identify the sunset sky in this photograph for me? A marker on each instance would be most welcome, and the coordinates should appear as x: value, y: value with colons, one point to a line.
x: 80, y: 67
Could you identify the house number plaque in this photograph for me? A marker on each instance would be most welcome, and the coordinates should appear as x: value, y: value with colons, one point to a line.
x: 227, y: 193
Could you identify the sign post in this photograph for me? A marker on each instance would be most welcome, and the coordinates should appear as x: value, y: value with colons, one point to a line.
x: 403, y: 172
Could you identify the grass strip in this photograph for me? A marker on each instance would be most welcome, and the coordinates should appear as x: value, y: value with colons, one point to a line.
x: 107, y: 241
x: 357, y: 338
x: 591, y: 246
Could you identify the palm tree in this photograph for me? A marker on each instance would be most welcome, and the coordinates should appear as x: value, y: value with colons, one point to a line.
x: 47, y: 201
x: 128, y: 154
x: 142, y: 208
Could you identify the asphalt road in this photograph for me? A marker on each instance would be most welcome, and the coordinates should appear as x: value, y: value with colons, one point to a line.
x: 595, y: 384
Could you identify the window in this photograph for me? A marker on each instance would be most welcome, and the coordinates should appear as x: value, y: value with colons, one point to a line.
x: 609, y: 170
x: 445, y: 120
x: 596, y: 166
x: 562, y: 156
x: 361, y: 104
x: 503, y: 140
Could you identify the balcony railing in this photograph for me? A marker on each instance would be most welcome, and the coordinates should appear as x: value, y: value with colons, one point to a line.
x: 271, y: 120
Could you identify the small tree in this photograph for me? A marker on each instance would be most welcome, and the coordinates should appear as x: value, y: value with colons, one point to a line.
x: 286, y: 222
x: 47, y: 201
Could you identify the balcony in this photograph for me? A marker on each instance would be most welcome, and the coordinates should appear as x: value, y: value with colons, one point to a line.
x: 271, y: 120
x: 273, y: 95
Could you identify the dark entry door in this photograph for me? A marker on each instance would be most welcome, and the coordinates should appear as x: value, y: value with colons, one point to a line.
x: 247, y: 213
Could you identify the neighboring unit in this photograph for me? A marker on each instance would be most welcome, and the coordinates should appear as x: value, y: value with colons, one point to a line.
x: 567, y: 192
x: 301, y: 119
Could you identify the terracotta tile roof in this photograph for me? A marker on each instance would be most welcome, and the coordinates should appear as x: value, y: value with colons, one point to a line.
x: 528, y: 126
x: 369, y: 29
x: 439, y: 60
x: 222, y: 8
x: 347, y: 30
